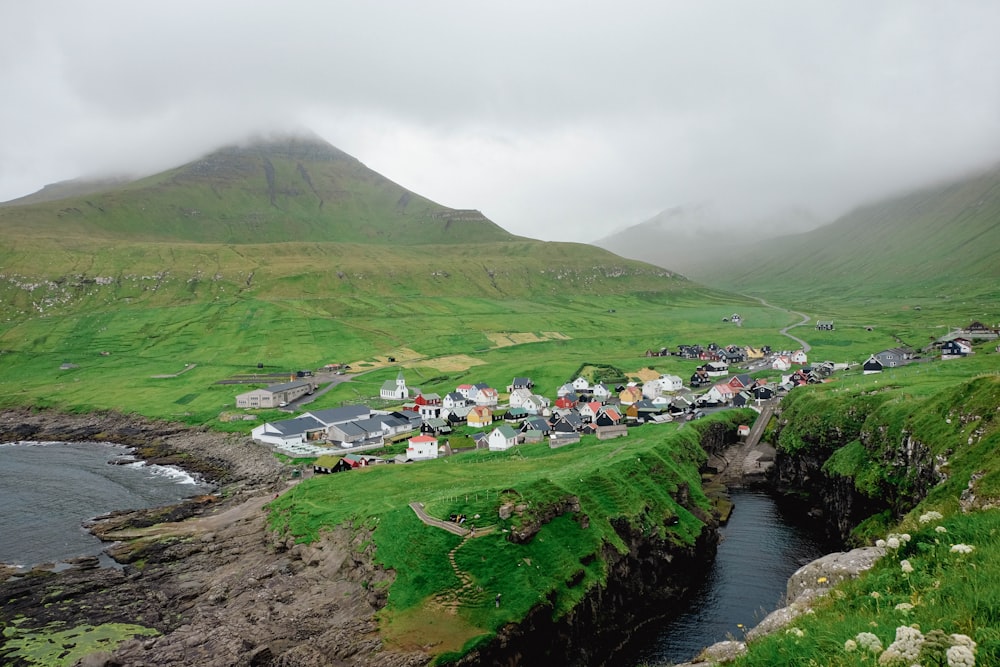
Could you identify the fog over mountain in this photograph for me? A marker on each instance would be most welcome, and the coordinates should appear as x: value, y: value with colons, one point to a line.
x: 558, y: 121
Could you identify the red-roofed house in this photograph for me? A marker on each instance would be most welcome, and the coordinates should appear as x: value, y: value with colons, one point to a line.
x: 422, y: 447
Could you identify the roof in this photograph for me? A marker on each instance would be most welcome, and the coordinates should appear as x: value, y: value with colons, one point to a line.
x: 423, y: 438
x: 340, y: 415
x: 297, y: 426
x: 285, y: 386
x: 506, y: 431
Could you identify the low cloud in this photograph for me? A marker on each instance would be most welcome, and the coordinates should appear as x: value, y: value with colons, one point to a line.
x: 559, y: 121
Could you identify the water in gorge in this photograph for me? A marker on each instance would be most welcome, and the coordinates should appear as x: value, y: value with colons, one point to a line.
x: 761, y: 546
x: 48, y: 489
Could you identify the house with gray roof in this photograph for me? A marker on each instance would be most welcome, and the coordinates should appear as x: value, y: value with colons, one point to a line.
x: 290, y: 431
x: 275, y: 395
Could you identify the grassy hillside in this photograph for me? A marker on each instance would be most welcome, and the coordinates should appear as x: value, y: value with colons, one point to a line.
x: 638, y: 481
x: 936, y: 242
x: 924, y: 440
x: 290, y: 189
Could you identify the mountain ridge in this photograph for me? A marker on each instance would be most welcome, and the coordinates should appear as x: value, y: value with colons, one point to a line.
x: 279, y: 189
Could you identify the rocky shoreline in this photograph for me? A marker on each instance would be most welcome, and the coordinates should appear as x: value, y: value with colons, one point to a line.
x: 206, y: 574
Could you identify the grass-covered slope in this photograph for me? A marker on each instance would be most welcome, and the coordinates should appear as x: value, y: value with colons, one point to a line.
x: 279, y: 190
x: 576, y: 492
x: 937, y: 240
x: 926, y: 441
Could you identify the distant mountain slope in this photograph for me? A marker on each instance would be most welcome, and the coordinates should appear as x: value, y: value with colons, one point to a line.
x: 936, y: 238
x: 688, y: 239
x: 279, y: 190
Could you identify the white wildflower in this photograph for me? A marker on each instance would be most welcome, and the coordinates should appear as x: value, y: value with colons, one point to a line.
x: 798, y: 632
x: 905, y: 537
x: 880, y: 543
x: 891, y: 657
x: 907, y: 644
x: 961, y: 656
x: 940, y: 529
x: 892, y: 542
x: 962, y: 548
x: 927, y: 517
x: 906, y: 566
x: 904, y: 606
x: 964, y: 640
x: 869, y: 642
x: 850, y: 646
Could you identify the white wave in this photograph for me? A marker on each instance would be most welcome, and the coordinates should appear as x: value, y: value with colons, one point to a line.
x: 174, y: 473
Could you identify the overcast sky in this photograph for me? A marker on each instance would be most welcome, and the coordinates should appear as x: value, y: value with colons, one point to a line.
x: 557, y: 119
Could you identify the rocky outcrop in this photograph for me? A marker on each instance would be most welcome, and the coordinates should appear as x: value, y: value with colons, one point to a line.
x: 808, y: 583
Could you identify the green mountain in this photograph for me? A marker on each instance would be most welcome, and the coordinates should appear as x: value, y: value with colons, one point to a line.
x: 278, y: 190
x: 938, y: 240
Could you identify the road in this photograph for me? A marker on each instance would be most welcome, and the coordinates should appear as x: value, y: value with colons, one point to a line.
x: 784, y: 332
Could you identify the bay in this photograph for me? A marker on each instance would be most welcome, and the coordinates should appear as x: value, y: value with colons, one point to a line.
x: 47, y: 491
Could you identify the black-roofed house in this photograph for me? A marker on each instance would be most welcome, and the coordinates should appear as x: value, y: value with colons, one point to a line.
x: 873, y: 365
x: 520, y: 383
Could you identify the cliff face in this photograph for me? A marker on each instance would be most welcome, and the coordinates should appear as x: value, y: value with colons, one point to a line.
x: 644, y: 583
x: 873, y: 457
x: 641, y: 586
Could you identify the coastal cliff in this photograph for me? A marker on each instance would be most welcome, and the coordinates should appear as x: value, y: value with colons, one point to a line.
x: 216, y: 586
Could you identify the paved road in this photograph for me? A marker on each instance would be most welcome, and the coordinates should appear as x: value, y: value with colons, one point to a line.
x: 784, y: 332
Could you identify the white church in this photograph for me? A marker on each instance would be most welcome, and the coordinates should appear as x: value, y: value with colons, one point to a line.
x: 395, y: 391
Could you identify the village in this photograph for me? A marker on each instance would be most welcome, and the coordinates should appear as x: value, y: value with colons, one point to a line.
x: 343, y: 438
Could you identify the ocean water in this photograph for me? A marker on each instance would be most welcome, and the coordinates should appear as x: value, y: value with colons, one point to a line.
x: 761, y: 547
x: 48, y: 489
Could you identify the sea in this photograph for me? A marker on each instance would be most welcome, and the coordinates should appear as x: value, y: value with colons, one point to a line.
x: 49, y: 489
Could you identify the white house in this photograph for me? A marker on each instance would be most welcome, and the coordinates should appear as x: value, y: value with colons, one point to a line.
x: 566, y: 389
x: 717, y: 369
x: 581, y: 384
x: 502, y: 438
x: 453, y: 400
x: 720, y: 393
x: 519, y: 396
x: 650, y: 388
x: 664, y: 383
x: 600, y: 391
x: 422, y: 447
x: 536, y: 404
x: 671, y: 383
x: 395, y: 391
x: 464, y: 390
x: 799, y: 357
x: 487, y: 396
x: 782, y: 363
x: 429, y: 411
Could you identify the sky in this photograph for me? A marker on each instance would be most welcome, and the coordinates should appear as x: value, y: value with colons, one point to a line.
x: 560, y: 120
